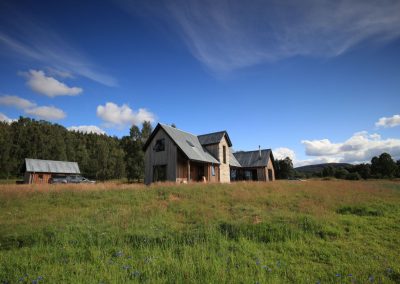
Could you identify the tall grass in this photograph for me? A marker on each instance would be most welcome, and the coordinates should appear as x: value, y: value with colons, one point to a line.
x: 280, y: 232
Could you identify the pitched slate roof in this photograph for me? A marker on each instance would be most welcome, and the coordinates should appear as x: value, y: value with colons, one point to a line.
x: 252, y: 158
x: 232, y: 160
x: 214, y: 138
x: 48, y: 166
x: 187, y: 142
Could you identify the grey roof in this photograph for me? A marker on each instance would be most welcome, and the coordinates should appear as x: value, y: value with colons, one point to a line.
x: 47, y: 166
x: 189, y: 144
x: 252, y: 158
x: 214, y: 138
x: 232, y: 160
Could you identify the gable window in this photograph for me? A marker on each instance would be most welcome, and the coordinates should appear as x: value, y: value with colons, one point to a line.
x: 224, y: 153
x: 160, y: 145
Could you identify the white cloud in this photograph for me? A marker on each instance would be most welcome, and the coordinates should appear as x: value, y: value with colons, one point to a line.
x: 114, y: 115
x: 32, y: 41
x: 360, y: 147
x: 42, y: 112
x: 227, y: 35
x: 49, y: 86
x: 320, y: 147
x: 5, y: 118
x: 46, y: 112
x: 87, y: 129
x: 388, y: 121
x: 15, y: 101
x: 282, y: 153
x: 315, y: 161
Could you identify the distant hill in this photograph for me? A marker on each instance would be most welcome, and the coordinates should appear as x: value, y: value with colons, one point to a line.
x: 319, y: 167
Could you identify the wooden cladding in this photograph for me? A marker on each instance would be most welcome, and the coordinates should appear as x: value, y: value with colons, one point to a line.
x: 37, y: 178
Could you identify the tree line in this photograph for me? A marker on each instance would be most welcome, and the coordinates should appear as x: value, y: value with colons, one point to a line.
x: 381, y: 167
x: 100, y: 157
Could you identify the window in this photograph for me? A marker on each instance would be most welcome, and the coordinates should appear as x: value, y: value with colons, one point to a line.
x: 212, y: 170
x: 40, y: 178
x: 190, y: 143
x: 224, y: 153
x: 160, y: 145
x: 160, y: 173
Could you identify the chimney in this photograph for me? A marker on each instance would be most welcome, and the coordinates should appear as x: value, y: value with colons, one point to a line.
x: 259, y: 152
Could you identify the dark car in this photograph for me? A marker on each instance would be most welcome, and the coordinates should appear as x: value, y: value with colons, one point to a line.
x: 58, y: 179
x: 74, y: 179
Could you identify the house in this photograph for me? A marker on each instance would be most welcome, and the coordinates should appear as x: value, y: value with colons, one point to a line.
x: 40, y: 171
x: 253, y: 165
x: 178, y: 156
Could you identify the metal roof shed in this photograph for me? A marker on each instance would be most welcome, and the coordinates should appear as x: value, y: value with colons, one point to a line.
x: 40, y: 171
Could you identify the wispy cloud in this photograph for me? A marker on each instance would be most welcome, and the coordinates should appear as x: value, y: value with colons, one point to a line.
x: 120, y: 116
x: 24, y: 37
x: 48, y: 86
x: 227, y: 35
x: 31, y: 108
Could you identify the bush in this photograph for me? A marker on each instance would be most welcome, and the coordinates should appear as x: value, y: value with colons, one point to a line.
x: 341, y: 173
x: 359, y: 211
x: 353, y: 176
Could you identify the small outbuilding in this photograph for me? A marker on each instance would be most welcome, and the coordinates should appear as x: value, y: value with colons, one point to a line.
x: 40, y: 171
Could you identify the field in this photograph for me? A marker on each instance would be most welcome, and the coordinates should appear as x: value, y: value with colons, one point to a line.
x: 281, y: 232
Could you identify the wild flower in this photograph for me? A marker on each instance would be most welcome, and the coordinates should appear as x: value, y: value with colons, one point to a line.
x: 118, y: 254
x: 135, y: 273
x: 126, y: 267
x: 268, y: 269
x: 371, y: 278
x: 338, y: 275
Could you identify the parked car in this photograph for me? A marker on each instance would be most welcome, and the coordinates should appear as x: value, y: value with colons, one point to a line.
x: 69, y: 179
x: 58, y: 179
x: 78, y: 179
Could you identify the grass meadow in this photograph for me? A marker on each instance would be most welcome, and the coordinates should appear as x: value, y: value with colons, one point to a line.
x: 281, y: 232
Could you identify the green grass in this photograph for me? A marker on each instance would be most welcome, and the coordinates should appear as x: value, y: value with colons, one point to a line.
x: 281, y: 232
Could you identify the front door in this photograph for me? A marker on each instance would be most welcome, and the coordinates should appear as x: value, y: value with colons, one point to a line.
x: 270, y: 177
x: 160, y: 173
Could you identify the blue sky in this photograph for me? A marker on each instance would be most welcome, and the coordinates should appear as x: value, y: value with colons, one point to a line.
x: 318, y: 81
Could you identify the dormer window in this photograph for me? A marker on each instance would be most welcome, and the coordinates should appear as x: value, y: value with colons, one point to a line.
x: 190, y: 143
x: 160, y: 145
